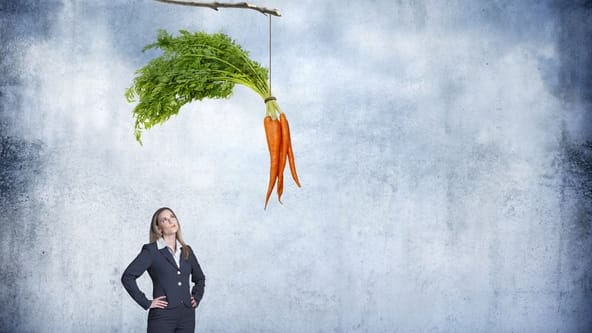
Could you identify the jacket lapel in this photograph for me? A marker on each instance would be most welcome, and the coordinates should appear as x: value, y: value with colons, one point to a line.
x: 169, y: 257
x: 182, y: 262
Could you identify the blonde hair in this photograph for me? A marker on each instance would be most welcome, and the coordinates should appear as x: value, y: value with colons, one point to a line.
x: 155, y: 235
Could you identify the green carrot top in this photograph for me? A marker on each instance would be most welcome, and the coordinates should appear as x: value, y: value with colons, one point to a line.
x: 193, y: 66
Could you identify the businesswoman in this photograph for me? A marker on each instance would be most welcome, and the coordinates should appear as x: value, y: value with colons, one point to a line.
x: 169, y: 262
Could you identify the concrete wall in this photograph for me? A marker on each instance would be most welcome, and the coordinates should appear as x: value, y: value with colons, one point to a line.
x: 442, y: 148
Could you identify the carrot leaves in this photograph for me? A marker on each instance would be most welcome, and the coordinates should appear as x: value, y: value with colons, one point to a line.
x: 193, y: 66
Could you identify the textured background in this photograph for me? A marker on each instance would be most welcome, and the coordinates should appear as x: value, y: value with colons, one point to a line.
x: 444, y: 149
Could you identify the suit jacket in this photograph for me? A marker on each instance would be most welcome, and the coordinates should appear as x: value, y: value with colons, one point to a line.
x: 167, y: 279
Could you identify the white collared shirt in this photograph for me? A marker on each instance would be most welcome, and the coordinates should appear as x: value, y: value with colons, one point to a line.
x: 161, y: 244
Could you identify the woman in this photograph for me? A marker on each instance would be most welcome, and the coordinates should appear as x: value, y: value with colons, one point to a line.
x: 169, y: 262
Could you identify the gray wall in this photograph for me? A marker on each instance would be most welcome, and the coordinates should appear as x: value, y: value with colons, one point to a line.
x: 443, y: 147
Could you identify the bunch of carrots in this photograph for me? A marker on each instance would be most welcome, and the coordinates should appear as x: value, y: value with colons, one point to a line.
x: 279, y: 143
x: 199, y: 65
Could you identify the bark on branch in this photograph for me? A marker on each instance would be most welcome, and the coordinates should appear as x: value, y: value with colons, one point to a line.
x: 215, y: 5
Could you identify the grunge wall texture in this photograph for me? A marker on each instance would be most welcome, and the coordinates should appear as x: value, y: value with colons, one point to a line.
x: 445, y: 151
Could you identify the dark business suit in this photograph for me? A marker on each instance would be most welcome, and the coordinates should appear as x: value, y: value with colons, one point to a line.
x: 167, y: 280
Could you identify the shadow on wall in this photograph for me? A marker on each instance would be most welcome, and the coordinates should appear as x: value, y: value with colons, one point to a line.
x: 574, y: 88
x: 575, y: 76
x: 21, y: 162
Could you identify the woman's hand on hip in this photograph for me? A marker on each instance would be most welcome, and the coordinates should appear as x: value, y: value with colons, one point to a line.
x: 159, y: 303
x: 193, y: 302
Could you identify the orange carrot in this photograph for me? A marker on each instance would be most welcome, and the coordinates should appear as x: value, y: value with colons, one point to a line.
x: 286, y: 130
x: 283, y: 156
x: 274, y: 135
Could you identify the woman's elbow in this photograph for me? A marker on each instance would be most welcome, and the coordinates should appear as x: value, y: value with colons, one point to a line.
x: 125, y: 278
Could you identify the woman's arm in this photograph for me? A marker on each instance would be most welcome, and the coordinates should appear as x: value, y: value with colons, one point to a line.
x: 197, y: 277
x: 132, y: 272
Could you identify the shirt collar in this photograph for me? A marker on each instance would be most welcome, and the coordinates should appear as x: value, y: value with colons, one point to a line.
x: 161, y: 244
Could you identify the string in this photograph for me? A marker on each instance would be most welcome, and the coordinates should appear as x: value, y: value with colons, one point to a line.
x: 270, y: 55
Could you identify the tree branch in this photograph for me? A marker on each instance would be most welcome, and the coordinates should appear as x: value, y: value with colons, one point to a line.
x: 215, y: 5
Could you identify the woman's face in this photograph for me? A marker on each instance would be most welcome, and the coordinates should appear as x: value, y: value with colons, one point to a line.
x: 167, y: 223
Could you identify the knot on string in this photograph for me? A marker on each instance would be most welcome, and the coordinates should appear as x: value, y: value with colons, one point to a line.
x: 269, y: 99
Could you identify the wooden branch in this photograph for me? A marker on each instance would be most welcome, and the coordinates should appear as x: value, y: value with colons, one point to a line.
x: 215, y: 5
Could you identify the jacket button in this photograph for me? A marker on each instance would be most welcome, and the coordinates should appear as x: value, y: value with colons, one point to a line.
x: 179, y: 283
x: 178, y: 272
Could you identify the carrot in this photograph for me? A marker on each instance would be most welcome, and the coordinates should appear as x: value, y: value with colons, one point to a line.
x: 286, y: 130
x: 274, y: 135
x: 283, y: 156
